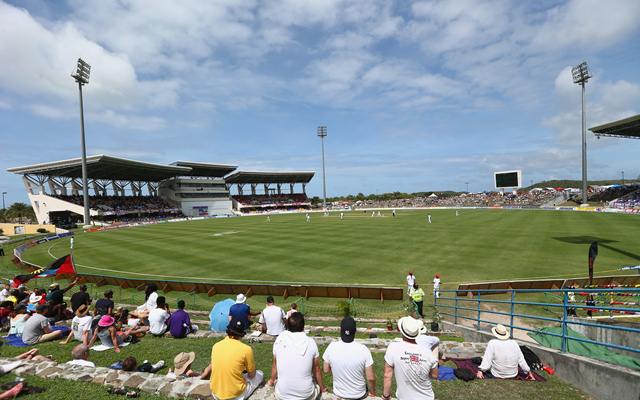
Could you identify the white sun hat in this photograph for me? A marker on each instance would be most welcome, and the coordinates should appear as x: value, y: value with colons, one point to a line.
x: 240, y: 298
x: 410, y: 327
x: 500, y: 331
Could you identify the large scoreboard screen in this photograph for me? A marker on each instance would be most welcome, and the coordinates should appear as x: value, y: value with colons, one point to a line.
x: 508, y: 179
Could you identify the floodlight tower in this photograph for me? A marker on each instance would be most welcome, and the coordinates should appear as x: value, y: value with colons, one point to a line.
x: 3, y: 193
x: 81, y: 75
x: 322, y: 133
x: 581, y: 75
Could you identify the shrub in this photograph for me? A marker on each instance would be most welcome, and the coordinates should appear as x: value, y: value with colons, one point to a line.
x: 42, y: 230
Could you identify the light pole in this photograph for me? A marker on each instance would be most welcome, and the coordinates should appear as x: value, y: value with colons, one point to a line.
x: 81, y: 75
x: 322, y: 133
x: 3, y: 207
x: 581, y: 75
x: 622, y: 177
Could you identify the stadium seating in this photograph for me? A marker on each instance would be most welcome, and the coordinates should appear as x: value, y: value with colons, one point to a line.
x: 275, y: 200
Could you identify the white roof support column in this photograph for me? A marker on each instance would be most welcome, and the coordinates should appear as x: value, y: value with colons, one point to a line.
x: 76, y: 187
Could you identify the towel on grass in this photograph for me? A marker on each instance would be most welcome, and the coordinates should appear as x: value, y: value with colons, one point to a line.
x: 14, y: 341
x: 471, y: 366
x: 101, y: 347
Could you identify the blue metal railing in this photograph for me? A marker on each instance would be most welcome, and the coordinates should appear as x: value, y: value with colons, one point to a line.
x: 468, y: 305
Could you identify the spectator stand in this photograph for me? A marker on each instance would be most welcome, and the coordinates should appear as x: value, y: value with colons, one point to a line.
x: 269, y: 191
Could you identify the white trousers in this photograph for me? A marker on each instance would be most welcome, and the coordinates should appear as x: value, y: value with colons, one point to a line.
x: 252, y: 385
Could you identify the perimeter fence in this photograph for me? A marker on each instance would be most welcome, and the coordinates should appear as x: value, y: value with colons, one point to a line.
x: 601, y: 323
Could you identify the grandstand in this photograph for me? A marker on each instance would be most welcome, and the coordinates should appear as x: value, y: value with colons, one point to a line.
x: 127, y: 190
x: 273, y: 185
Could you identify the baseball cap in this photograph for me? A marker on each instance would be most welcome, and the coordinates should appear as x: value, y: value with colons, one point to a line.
x: 236, y: 327
x: 348, y: 329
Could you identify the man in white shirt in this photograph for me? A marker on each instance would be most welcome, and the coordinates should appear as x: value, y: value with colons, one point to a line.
x: 350, y: 363
x: 436, y: 286
x: 80, y: 326
x: 296, y: 364
x: 158, y: 317
x: 410, y: 363
x: 411, y: 280
x: 272, y: 317
x: 502, y: 357
x: 80, y: 355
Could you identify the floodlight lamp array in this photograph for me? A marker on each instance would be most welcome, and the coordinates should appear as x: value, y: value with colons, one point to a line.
x: 580, y: 73
x: 322, y: 131
x: 83, y: 70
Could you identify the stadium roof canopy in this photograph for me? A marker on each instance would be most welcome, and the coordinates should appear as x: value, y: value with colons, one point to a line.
x: 105, y: 167
x: 269, y: 177
x: 624, y: 128
x: 206, y: 169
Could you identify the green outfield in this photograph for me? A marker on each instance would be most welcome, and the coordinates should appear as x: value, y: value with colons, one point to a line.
x: 360, y: 249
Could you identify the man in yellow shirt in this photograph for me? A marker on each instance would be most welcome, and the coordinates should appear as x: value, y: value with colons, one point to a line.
x: 417, y: 295
x: 230, y: 358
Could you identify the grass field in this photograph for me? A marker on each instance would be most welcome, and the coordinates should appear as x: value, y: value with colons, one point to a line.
x: 476, y: 245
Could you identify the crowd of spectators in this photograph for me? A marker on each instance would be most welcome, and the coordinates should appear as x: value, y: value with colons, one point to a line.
x: 123, y: 204
x: 297, y: 362
x: 531, y: 198
x: 272, y: 200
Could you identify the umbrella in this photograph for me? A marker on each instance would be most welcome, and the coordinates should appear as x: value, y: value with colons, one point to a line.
x: 219, y: 315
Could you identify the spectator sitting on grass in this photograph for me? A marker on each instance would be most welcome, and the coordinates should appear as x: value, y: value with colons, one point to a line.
x: 272, y: 318
x: 105, y: 305
x: 79, y: 298
x: 179, y: 322
x: 80, y: 354
x: 18, y: 319
x: 80, y: 326
x: 293, y: 309
x: 150, y: 301
x: 296, y: 364
x: 429, y: 342
x: 129, y: 364
x: 55, y: 299
x: 110, y: 336
x: 37, y: 328
x: 241, y: 311
x: 182, y: 366
x: 233, y: 368
x: 350, y: 363
x: 158, y: 317
x: 502, y: 357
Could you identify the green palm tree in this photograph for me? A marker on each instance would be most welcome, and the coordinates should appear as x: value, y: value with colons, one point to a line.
x: 20, y: 211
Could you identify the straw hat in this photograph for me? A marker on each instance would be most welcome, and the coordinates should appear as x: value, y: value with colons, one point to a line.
x: 410, y: 327
x: 183, y: 361
x: 82, y: 311
x: 500, y: 331
x: 105, y: 321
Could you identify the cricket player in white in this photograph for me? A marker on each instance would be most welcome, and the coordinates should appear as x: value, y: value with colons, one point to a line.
x: 268, y: 218
x: 411, y: 280
x: 378, y: 213
x: 457, y: 213
x: 393, y: 212
x: 308, y: 218
x: 341, y: 215
x: 429, y: 218
x: 373, y: 213
x: 436, y: 286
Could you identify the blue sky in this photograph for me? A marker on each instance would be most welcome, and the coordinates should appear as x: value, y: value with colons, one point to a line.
x: 416, y: 96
